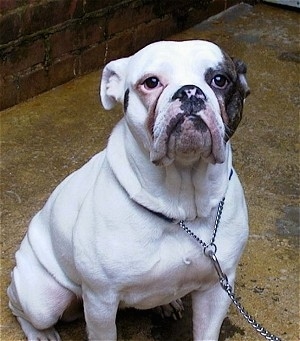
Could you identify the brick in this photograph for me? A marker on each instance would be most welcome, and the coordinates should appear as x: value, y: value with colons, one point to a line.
x: 33, y: 82
x: 44, y: 15
x: 162, y: 8
x: 93, y: 58
x: 6, y: 5
x: 128, y: 16
x: 93, y: 5
x: 18, y: 58
x: 155, y: 30
x: 75, y: 8
x: 152, y: 31
x: 9, y: 92
x: 10, y: 24
x: 94, y: 29
x: 77, y: 36
x: 65, y: 41
x: 119, y: 46
x: 168, y: 26
x: 63, y: 70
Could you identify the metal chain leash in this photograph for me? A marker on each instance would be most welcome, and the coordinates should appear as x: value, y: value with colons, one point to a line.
x: 210, y: 251
x: 258, y: 327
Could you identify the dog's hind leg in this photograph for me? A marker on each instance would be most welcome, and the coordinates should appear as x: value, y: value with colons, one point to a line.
x: 35, y: 297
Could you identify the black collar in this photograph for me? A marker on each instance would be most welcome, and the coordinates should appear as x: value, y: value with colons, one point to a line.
x: 160, y: 215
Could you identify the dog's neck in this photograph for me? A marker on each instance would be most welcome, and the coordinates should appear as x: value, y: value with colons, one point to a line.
x: 175, y: 191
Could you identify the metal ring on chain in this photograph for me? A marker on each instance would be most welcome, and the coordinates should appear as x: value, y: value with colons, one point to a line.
x: 210, y: 249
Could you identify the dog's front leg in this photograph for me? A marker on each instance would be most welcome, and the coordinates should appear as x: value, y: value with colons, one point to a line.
x: 100, y: 312
x: 209, y: 310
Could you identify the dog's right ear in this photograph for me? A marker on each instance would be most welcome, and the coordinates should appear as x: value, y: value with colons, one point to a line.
x: 241, y: 69
x: 112, y: 83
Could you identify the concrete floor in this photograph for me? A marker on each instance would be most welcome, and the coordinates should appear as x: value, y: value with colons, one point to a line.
x: 51, y: 135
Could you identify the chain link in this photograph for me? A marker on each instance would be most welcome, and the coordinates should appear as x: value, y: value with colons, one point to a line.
x: 228, y: 288
x: 217, y: 221
x: 210, y: 251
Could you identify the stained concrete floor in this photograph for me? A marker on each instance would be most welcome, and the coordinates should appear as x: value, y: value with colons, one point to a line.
x: 53, y: 134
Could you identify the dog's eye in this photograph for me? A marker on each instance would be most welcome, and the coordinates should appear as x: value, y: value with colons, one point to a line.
x: 151, y: 83
x: 219, y: 82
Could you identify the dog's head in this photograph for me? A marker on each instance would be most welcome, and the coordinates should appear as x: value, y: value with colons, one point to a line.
x: 182, y: 100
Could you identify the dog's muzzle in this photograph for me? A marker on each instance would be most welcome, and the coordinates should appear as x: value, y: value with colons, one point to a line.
x: 187, y: 129
x: 192, y: 101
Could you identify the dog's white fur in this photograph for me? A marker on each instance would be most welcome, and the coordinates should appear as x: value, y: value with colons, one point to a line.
x: 98, y: 238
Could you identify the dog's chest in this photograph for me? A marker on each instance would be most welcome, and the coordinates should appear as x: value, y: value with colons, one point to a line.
x: 169, y: 269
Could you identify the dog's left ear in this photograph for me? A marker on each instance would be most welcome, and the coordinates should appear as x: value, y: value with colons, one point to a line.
x: 241, y: 69
x: 112, y: 83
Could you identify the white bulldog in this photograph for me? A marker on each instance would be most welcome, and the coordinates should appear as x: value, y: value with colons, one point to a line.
x: 108, y: 237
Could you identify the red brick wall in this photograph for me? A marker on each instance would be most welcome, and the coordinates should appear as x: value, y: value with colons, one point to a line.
x: 44, y: 43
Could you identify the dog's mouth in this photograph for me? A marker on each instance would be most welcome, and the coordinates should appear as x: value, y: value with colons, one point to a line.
x: 187, y: 136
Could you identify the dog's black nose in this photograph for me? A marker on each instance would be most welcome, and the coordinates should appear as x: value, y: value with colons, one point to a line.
x: 189, y: 92
x: 192, y: 99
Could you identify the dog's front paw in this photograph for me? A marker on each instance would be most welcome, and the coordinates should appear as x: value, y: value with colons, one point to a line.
x: 173, y: 309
